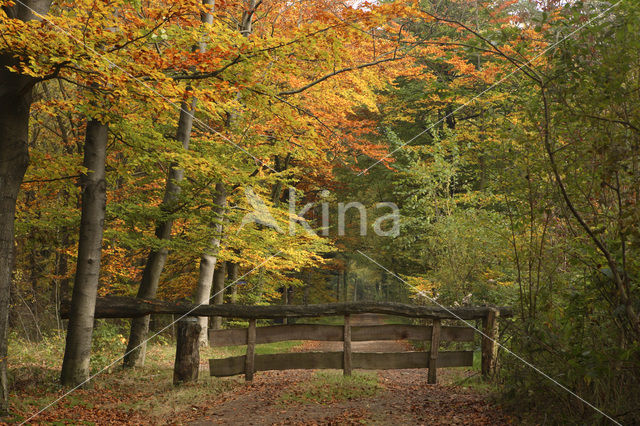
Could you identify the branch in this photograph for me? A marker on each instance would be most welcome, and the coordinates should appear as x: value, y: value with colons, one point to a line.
x: 56, y: 71
x: 520, y: 65
x: 143, y: 36
x: 337, y: 72
x: 243, y: 57
x: 613, y: 120
x: 613, y: 266
x: 51, y: 180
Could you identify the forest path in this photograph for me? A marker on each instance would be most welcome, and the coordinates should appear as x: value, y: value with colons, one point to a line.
x: 402, y: 396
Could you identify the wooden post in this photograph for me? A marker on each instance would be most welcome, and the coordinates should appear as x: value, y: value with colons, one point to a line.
x: 187, y: 364
x: 347, y: 346
x: 489, y: 342
x: 251, y: 351
x: 433, y: 353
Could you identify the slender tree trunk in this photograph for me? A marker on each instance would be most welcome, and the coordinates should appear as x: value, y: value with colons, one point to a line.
x: 345, y: 286
x: 218, y: 292
x: 137, y: 345
x: 75, y: 366
x: 208, y: 264
x: 209, y: 274
x: 232, y: 269
x: 285, y: 301
x: 15, y: 106
x: 136, y: 348
x: 307, y: 286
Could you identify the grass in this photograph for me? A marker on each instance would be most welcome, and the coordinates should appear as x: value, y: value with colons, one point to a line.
x: 140, y: 396
x: 331, y: 320
x: 332, y: 386
x: 160, y: 399
x: 261, y: 349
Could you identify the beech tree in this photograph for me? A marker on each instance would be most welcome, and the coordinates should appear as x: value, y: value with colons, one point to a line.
x: 136, y: 348
x: 15, y: 105
x: 77, y: 354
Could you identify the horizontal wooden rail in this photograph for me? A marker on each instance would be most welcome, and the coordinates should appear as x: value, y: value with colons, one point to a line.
x: 335, y: 333
x: 334, y: 360
x: 131, y: 307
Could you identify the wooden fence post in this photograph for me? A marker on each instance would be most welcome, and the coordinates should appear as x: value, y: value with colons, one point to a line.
x: 187, y: 363
x: 489, y: 342
x: 251, y: 351
x: 347, y: 346
x: 433, y: 355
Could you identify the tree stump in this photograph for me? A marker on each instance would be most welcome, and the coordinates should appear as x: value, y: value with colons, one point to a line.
x: 187, y: 365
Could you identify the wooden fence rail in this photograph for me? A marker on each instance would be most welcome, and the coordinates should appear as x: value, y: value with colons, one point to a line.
x: 335, y: 333
x: 334, y: 360
x: 132, y: 307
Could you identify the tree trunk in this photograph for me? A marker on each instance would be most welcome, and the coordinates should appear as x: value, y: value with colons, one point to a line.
x: 208, y: 270
x: 137, y: 345
x: 307, y: 285
x: 75, y: 366
x: 14, y: 159
x: 136, y: 348
x: 209, y: 274
x: 232, y: 269
x: 218, y: 292
x: 15, y: 106
x: 285, y: 301
x: 345, y: 286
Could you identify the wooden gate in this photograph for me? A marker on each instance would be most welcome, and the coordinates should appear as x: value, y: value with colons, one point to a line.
x: 435, y: 333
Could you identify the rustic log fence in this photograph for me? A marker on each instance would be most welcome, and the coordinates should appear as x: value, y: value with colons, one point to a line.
x: 345, y: 360
x: 187, y: 354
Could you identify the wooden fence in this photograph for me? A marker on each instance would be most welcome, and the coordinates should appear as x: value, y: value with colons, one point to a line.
x: 435, y: 334
x: 188, y: 358
x: 346, y: 359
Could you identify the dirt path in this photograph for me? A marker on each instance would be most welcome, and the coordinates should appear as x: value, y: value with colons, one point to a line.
x: 403, y: 397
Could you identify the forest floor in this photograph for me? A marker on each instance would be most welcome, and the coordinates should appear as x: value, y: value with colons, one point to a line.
x: 147, y: 396
x: 395, y: 397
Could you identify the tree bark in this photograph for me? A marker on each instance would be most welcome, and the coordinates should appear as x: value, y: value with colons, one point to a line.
x: 232, y: 269
x: 137, y: 345
x: 15, y: 106
x: 75, y: 366
x: 187, y: 363
x: 208, y: 261
x: 14, y: 160
x: 218, y: 292
x: 307, y: 286
x: 209, y: 274
x: 345, y: 286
